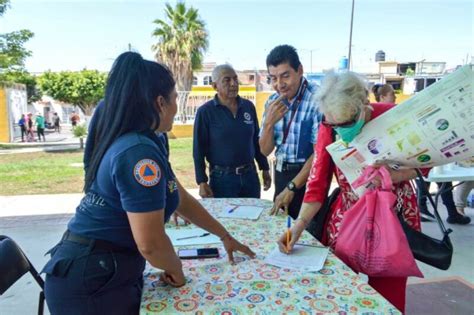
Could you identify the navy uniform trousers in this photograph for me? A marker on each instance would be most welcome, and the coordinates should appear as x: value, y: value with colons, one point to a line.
x: 85, y: 279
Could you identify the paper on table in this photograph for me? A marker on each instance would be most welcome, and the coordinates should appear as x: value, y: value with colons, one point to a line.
x: 241, y: 212
x: 302, y: 258
x: 175, y: 236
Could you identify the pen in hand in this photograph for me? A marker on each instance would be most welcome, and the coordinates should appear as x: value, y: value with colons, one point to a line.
x: 288, y: 234
x: 194, y: 236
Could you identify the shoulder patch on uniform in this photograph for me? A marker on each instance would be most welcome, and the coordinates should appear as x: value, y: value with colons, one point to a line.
x: 147, y: 172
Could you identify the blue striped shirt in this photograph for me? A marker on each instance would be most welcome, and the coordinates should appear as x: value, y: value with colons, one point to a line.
x: 303, y: 130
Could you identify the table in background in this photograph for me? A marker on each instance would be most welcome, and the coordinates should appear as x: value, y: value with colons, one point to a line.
x: 251, y: 286
x: 449, y: 173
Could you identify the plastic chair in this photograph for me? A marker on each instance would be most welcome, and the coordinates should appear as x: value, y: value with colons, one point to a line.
x: 13, y: 265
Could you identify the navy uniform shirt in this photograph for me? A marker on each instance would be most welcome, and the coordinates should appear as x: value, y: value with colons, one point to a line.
x: 225, y: 140
x: 134, y: 176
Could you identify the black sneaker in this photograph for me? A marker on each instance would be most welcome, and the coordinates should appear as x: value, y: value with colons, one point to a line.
x: 458, y: 219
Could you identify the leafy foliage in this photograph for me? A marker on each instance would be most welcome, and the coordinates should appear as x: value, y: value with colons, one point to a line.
x: 23, y: 77
x: 12, y: 52
x: 79, y: 131
x: 84, y: 88
x: 4, y: 4
x: 182, y: 42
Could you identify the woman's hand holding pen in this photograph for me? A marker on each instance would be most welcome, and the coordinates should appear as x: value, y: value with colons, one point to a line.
x: 295, y: 233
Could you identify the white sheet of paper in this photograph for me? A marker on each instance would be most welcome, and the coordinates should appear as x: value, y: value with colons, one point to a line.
x: 175, y: 235
x: 302, y: 258
x: 241, y: 212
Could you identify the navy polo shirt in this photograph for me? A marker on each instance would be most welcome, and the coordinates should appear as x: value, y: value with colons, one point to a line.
x: 133, y: 176
x: 225, y: 140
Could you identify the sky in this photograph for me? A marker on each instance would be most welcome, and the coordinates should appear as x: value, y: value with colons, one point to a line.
x: 73, y: 35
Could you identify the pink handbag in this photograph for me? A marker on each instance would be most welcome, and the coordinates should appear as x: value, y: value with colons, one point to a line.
x: 371, y: 239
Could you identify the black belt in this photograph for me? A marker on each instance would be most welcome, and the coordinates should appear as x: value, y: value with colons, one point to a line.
x: 95, y: 244
x: 239, y: 170
x: 292, y: 166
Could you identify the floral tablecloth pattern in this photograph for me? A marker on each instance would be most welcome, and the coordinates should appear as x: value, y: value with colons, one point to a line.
x: 253, y: 287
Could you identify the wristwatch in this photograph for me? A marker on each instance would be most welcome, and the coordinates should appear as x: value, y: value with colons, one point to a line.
x: 291, y: 186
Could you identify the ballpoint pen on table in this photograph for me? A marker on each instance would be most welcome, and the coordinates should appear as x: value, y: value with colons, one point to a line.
x: 232, y: 209
x: 194, y: 236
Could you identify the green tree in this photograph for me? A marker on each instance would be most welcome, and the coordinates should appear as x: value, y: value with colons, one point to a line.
x: 24, y: 77
x: 12, y: 52
x: 182, y: 42
x: 4, y: 4
x: 13, y: 56
x: 84, y: 88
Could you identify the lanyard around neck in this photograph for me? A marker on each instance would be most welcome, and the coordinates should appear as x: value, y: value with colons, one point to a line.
x: 295, y: 106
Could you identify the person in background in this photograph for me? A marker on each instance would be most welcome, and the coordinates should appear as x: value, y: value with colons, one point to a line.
x: 346, y: 109
x: 461, y: 193
x: 74, y: 119
x: 290, y: 125
x: 22, y: 125
x: 454, y: 217
x: 231, y: 163
x: 30, y: 136
x: 39, y: 121
x: 57, y: 123
x: 131, y: 192
x: 384, y: 93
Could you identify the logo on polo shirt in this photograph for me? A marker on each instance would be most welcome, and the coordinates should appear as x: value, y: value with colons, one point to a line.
x: 147, y: 172
x: 248, y: 118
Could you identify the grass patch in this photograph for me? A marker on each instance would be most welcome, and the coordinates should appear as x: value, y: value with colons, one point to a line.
x: 53, y: 172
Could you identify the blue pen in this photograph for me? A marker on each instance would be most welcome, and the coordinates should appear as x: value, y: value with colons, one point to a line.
x: 288, y: 233
x: 232, y: 209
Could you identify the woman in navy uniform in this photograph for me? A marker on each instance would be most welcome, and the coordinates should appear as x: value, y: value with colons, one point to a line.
x: 131, y: 191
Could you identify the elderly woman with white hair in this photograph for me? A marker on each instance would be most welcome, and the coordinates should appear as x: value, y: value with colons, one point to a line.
x: 346, y: 109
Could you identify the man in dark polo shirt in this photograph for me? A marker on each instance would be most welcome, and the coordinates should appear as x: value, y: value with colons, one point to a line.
x: 226, y: 135
x: 290, y: 125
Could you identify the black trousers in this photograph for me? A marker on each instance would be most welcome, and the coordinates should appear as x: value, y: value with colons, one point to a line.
x: 446, y: 197
x: 81, y: 280
x: 40, y: 132
x: 281, y: 180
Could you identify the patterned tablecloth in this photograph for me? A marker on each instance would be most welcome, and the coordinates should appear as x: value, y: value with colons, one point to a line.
x: 253, y: 287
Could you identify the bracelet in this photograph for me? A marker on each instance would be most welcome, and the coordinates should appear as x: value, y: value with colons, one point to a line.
x: 226, y: 235
x: 305, y: 221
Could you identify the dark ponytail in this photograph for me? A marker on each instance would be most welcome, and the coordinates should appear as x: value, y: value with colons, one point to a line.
x: 133, y: 86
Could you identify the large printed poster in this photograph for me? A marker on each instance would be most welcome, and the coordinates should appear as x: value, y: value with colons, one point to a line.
x: 434, y: 127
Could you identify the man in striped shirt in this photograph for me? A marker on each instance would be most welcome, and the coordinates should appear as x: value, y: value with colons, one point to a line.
x: 289, y: 125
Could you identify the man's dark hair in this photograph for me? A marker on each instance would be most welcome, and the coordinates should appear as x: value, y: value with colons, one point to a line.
x: 283, y: 54
x: 133, y: 86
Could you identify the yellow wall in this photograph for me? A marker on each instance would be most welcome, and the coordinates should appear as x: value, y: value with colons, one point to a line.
x: 260, y: 99
x: 4, y: 130
x: 208, y: 88
x: 181, y: 131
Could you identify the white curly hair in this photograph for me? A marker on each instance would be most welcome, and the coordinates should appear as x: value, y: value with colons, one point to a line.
x: 342, y: 95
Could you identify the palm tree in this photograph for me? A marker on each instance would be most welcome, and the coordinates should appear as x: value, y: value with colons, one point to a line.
x: 182, y: 41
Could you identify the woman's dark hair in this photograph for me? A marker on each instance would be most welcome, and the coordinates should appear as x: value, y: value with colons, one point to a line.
x: 381, y: 89
x: 133, y: 86
x: 283, y: 54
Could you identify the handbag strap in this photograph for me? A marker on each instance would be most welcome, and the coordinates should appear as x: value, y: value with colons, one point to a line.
x: 424, y: 190
x: 369, y: 173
